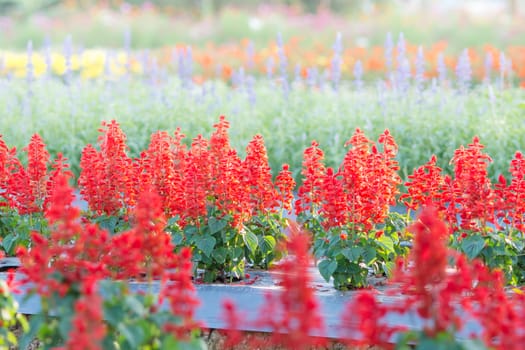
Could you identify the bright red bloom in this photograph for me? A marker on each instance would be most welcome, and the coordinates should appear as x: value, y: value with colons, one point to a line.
x: 37, y: 161
x: 72, y: 250
x: 334, y: 206
x: 370, y: 180
x: 196, y: 180
x: 309, y: 193
x: 285, y: 185
x: 471, y: 195
x: 108, y: 178
x: 510, y: 201
x: 4, y: 170
x: 180, y: 294
x: 233, y: 324
x: 257, y: 172
x: 425, y: 186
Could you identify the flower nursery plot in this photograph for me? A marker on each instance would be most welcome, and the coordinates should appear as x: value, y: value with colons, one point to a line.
x: 365, y: 198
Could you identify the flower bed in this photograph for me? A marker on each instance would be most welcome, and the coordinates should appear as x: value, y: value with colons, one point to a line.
x: 183, y: 214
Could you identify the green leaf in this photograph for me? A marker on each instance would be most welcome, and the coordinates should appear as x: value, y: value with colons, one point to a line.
x: 267, y: 243
x: 472, y: 245
x: 369, y: 254
x: 114, y: 313
x: 177, y: 238
x: 215, y: 225
x: 388, y: 267
x: 133, y: 334
x: 250, y: 239
x: 219, y: 254
x: 108, y: 223
x: 8, y: 241
x: 135, y: 305
x: 353, y: 254
x: 169, y: 342
x: 327, y: 269
x: 206, y: 244
x: 236, y: 253
x: 387, y: 243
x: 172, y: 221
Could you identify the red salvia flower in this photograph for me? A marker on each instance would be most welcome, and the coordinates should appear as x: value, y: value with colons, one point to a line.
x: 4, y: 170
x: 366, y: 316
x: 510, y: 201
x: 263, y: 196
x: 369, y: 178
x: 475, y: 199
x: 309, y: 192
x: 425, y: 186
x: 72, y: 250
x: 334, y: 206
x: 37, y: 161
x: 158, y: 164
x: 180, y: 294
x: 233, y: 323
x: 196, y: 180
x: 108, y: 178
x: 285, y: 185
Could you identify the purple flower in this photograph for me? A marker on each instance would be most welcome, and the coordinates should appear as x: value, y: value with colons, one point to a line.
x: 463, y: 72
x: 358, y: 75
x: 420, y: 69
x: 389, y: 52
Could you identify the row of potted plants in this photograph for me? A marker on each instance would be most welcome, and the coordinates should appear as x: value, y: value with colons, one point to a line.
x: 231, y: 212
x: 82, y: 274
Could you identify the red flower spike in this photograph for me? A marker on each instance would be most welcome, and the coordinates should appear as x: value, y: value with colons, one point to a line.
x: 108, y: 178
x: 37, y: 161
x: 309, y: 192
x: 257, y: 172
x: 471, y: 195
x: 334, y: 206
x: 196, y: 180
x: 425, y: 186
x: 285, y: 185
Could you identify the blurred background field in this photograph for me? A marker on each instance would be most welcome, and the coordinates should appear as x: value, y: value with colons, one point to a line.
x: 436, y: 73
x: 160, y: 23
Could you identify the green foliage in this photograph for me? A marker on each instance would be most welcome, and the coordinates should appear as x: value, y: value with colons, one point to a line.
x: 132, y: 324
x: 15, y: 229
x: 497, y: 250
x: 443, y: 341
x: 68, y: 124
x: 9, y: 318
x: 348, y: 256
x: 222, y: 250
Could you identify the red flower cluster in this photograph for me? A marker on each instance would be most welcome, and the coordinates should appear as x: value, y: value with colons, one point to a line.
x: 108, y: 180
x: 445, y: 298
x: 468, y: 200
x: 76, y: 256
x: 425, y: 186
x: 188, y: 180
x: 360, y: 192
x: 27, y: 189
x: 511, y: 197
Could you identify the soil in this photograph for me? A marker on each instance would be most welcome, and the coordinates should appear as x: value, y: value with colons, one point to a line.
x: 215, y: 340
